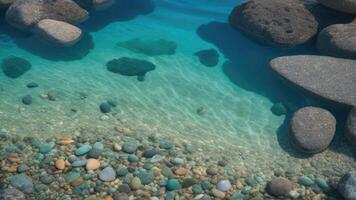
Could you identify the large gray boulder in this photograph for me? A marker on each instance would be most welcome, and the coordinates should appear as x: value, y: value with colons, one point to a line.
x: 347, y: 186
x: 312, y: 129
x: 330, y: 78
x: 338, y: 40
x: 348, y: 6
x: 5, y: 3
x: 275, y: 22
x: 57, y: 32
x: 350, y: 129
x: 24, y: 14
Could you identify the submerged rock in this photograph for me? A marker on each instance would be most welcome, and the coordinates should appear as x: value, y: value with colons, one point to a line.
x: 107, y: 174
x: 105, y: 107
x: 347, y: 186
x: 27, y: 100
x: 14, y: 67
x: 130, y: 66
x: 312, y: 129
x: 348, y: 6
x: 208, y: 57
x: 275, y: 22
x: 22, y: 182
x: 5, y: 3
x: 330, y: 78
x: 279, y: 109
x: 338, y: 40
x: 24, y: 14
x: 32, y: 85
x: 279, y: 187
x: 57, y: 32
x: 350, y: 129
x: 150, y: 47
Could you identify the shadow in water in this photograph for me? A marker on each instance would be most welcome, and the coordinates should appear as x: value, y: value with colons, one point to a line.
x: 121, y: 10
x: 247, y: 66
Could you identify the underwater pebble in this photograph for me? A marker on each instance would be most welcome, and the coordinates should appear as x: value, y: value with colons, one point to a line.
x: 92, y: 164
x: 27, y: 100
x: 84, y: 149
x: 60, y: 164
x: 223, y: 185
x: 107, y: 174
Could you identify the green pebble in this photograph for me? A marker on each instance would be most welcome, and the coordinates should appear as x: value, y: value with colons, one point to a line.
x: 197, y: 189
x: 173, y: 184
x: 45, y: 148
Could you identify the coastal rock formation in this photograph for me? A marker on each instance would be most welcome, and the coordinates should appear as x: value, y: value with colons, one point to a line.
x: 275, y: 22
x: 348, y: 6
x: 24, y: 14
x: 347, y: 186
x: 338, y: 40
x: 14, y: 67
x: 5, y: 3
x: 208, y: 57
x: 330, y: 78
x: 130, y: 66
x: 350, y: 129
x: 312, y: 129
x: 279, y: 187
x: 150, y: 47
x: 57, y: 32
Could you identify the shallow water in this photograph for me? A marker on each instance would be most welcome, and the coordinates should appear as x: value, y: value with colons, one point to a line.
x: 236, y: 95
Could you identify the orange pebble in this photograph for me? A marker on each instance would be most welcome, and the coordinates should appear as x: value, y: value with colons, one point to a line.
x: 12, y: 169
x: 108, y: 198
x: 65, y: 141
x: 60, y: 164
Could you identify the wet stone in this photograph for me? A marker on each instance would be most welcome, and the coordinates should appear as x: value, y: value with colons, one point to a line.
x: 173, y: 184
x: 84, y: 149
x: 165, y: 145
x: 22, y: 182
x: 223, y: 185
x: 149, y: 153
x: 22, y: 168
x: 79, y: 163
x: 105, y: 107
x: 306, y: 181
x: 129, y: 147
x: 97, y: 150
x: 45, y: 148
x: 124, y: 188
x: 122, y: 172
x: 27, y: 100
x: 133, y: 158
x: 107, y: 174
x: 187, y: 182
x: 146, y: 177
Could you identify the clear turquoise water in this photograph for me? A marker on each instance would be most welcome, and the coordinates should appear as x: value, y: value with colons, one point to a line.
x: 237, y: 94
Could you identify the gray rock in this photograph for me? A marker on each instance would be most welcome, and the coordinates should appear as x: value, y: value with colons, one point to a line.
x: 24, y: 14
x: 223, y: 185
x: 350, y: 129
x: 348, y: 6
x: 22, y: 182
x: 14, y: 66
x: 5, y: 3
x: 279, y: 187
x: 347, y: 186
x: 312, y: 129
x: 129, y: 147
x: 13, y: 193
x: 57, y: 32
x: 107, y: 174
x: 330, y: 78
x: 338, y: 40
x: 275, y: 22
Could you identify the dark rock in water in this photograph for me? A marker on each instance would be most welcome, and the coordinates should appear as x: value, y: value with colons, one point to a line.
x: 14, y: 67
x: 350, y: 129
x: 130, y: 66
x: 4, y: 4
x: 279, y: 187
x: 279, y: 109
x: 347, y: 185
x: 312, y: 129
x: 112, y: 102
x: 23, y: 14
x: 150, y: 47
x: 141, y: 78
x: 149, y: 153
x: 22, y: 182
x: 27, y: 100
x: 32, y: 85
x: 282, y: 23
x: 105, y: 107
x: 333, y: 79
x: 97, y: 4
x: 348, y: 6
x: 209, y: 57
x: 338, y: 40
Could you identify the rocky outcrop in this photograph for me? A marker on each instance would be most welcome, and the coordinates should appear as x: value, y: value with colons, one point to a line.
x: 312, y: 129
x: 348, y: 6
x: 5, y: 4
x: 350, y: 129
x: 338, y: 40
x: 347, y: 186
x: 275, y: 22
x: 24, y: 14
x: 57, y: 32
x: 330, y: 78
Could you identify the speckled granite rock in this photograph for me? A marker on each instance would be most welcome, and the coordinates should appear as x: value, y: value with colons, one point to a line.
x: 312, y: 129
x: 275, y: 22
x: 331, y: 78
x: 350, y: 129
x: 348, y: 6
x: 347, y: 186
x: 338, y: 40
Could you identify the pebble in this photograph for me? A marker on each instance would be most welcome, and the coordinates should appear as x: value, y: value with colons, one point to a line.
x: 129, y: 147
x: 32, y: 85
x: 211, y: 171
x: 135, y: 183
x: 218, y: 193
x: 146, y: 178
x: 187, y: 182
x: 322, y: 184
x: 22, y: 168
x: 306, y: 181
x: 27, y: 100
x: 97, y: 150
x: 92, y: 164
x: 60, y: 164
x: 84, y: 149
x: 72, y: 158
x: 79, y: 163
x: 122, y: 172
x: 105, y: 107
x: 165, y: 145
x: 46, y: 179
x: 22, y: 182
x: 133, y: 158
x: 64, y: 141
x: 107, y: 174
x: 124, y: 188
x: 181, y: 171
x: 173, y: 184
x: 117, y: 147
x: 177, y: 161
x: 149, y: 153
x: 45, y: 148
x: 279, y: 187
x: 223, y: 185
x: 156, y: 158
x: 112, y: 102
